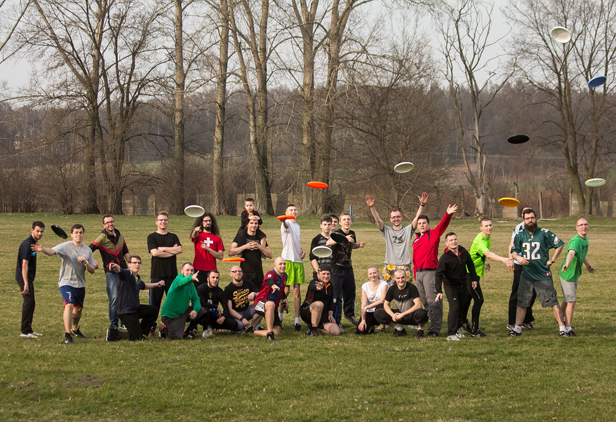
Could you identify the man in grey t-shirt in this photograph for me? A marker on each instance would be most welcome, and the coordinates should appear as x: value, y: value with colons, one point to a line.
x: 398, y: 240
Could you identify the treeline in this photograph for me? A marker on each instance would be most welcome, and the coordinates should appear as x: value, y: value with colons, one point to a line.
x: 214, y: 99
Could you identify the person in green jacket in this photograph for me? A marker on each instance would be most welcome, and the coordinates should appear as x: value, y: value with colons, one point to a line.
x: 182, y: 303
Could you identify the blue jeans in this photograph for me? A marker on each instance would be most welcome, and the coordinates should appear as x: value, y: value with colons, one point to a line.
x: 112, y: 294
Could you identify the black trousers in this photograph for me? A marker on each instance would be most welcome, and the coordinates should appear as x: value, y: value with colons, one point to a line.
x: 513, y: 299
x: 27, y: 309
x: 457, y: 296
x: 371, y: 322
x: 343, y: 280
x: 157, y: 293
x: 228, y: 324
x: 475, y: 295
x: 420, y: 316
x: 147, y: 314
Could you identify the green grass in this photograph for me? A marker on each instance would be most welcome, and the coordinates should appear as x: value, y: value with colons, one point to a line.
x: 230, y: 377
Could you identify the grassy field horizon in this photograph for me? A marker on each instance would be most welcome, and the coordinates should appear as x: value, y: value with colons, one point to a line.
x: 538, y: 376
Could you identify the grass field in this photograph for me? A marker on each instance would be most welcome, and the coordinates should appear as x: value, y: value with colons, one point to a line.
x: 538, y: 376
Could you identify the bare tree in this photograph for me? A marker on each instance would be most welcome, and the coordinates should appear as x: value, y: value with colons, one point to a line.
x: 8, y: 25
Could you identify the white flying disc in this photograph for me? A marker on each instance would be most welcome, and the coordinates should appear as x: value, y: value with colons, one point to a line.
x: 597, y: 182
x: 560, y: 34
x: 194, y: 211
x: 322, y: 252
x: 404, y: 167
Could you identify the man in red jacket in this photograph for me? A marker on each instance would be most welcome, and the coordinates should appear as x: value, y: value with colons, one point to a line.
x: 425, y: 261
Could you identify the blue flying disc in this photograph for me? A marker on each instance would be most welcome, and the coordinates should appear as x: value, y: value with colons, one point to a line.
x: 597, y: 81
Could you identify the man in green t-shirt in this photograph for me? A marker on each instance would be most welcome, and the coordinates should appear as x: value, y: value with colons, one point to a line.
x: 571, y: 269
x: 531, y: 248
x: 480, y: 251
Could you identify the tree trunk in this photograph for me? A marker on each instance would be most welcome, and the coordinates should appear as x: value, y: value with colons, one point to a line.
x: 219, y: 205
x: 178, y: 118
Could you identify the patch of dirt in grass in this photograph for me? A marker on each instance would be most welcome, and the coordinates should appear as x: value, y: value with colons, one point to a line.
x: 87, y: 381
x: 21, y: 385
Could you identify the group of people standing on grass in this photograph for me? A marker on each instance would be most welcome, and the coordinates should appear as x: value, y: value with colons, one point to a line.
x: 254, y: 302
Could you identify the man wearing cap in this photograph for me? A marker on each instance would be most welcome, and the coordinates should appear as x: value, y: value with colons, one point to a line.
x: 425, y: 261
x: 318, y: 307
x: 571, y: 269
x: 110, y: 243
x: 24, y: 275
x: 397, y: 239
x: 274, y: 291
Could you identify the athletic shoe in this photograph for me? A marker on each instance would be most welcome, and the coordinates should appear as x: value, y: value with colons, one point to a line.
x: 162, y: 331
x: 478, y: 333
x: 78, y: 333
x: 152, y: 332
x: 68, y: 339
x: 460, y: 334
x: 29, y: 335
x: 383, y: 330
x: 314, y: 332
x: 399, y: 333
x: 308, y: 330
x: 563, y: 334
x: 510, y: 327
x: 453, y: 338
x: 270, y: 336
x: 514, y: 333
x: 432, y: 334
x: 341, y: 329
x: 420, y: 333
x: 466, y: 326
x: 122, y: 328
x: 298, y: 327
x: 249, y: 330
x: 112, y: 335
x: 189, y: 336
x: 354, y: 321
x: 37, y: 334
x: 528, y: 326
x: 571, y: 333
x: 413, y: 327
x: 207, y: 333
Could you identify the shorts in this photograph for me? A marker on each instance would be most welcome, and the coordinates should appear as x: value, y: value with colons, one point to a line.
x: 73, y: 295
x: 306, y: 316
x: 388, y: 272
x: 545, y: 292
x: 569, y: 289
x: 277, y: 321
x: 295, y: 272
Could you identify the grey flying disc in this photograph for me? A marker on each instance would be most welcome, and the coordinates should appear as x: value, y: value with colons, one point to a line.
x: 560, y: 34
x: 404, y: 167
x: 597, y: 182
x: 322, y: 252
x: 194, y: 211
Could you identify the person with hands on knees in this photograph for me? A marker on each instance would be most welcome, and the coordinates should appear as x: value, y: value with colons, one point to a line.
x: 318, y: 308
x: 372, y: 297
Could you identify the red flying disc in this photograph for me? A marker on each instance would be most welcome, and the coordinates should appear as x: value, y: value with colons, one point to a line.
x: 233, y: 260
x: 286, y: 217
x: 317, y: 185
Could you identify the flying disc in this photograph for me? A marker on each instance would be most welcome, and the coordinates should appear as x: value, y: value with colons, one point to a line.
x: 560, y: 34
x: 194, y: 211
x: 233, y: 260
x: 59, y: 231
x: 403, y: 167
x: 317, y: 185
x: 340, y: 238
x: 322, y: 252
x: 518, y: 139
x: 509, y: 202
x: 286, y: 217
x: 597, y: 182
x: 597, y: 81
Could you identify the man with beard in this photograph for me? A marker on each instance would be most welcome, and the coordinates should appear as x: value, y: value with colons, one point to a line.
x: 208, y: 246
x: 216, y: 315
x: 318, y: 308
x: 238, y: 294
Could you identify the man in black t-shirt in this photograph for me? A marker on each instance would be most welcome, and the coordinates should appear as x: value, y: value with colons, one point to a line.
x: 409, y: 311
x: 318, y: 308
x: 24, y: 275
x: 239, y: 294
x: 251, y: 245
x: 321, y: 240
x: 163, y: 247
x: 214, y: 301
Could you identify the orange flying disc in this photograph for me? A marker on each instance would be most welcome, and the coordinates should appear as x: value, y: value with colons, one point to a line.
x: 233, y: 260
x: 317, y: 185
x: 286, y: 217
x: 509, y: 202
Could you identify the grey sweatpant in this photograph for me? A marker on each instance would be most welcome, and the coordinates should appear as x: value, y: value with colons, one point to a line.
x: 426, y: 284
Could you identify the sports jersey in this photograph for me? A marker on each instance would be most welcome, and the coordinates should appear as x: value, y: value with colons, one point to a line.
x: 517, y: 230
x: 478, y: 248
x: 580, y: 246
x: 204, y: 261
x: 267, y: 293
x: 398, y: 245
x: 535, y: 247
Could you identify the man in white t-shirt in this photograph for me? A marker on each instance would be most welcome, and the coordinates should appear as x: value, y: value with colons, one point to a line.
x: 293, y: 254
x: 76, y: 259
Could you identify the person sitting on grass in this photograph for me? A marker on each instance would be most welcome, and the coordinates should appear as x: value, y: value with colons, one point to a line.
x: 408, y: 307
x: 273, y: 293
x: 372, y: 297
x: 238, y: 294
x: 318, y: 308
x: 129, y: 309
x: 182, y: 303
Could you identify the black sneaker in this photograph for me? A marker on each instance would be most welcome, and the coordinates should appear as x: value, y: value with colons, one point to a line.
x: 432, y: 334
x: 162, y: 331
x: 466, y: 326
x: 298, y: 327
x: 399, y: 333
x: 77, y: 333
x: 152, y: 331
x: 189, y: 336
x: 383, y: 330
x: 354, y: 321
x: 528, y: 326
x: 314, y: 332
x: 270, y: 336
x: 420, y: 333
x: 514, y: 333
x: 563, y: 334
x: 249, y: 330
x: 571, y: 333
x: 478, y: 333
x: 112, y: 335
x: 308, y: 330
x: 68, y: 339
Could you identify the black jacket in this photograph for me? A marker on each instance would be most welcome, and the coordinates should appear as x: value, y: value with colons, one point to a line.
x: 455, y: 269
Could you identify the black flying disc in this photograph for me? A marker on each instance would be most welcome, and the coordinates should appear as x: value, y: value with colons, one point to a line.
x: 59, y: 231
x: 518, y: 139
x: 340, y: 238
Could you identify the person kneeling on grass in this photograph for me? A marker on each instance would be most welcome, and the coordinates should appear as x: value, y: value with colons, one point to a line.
x: 372, y: 297
x: 274, y: 291
x: 130, y: 311
x: 318, y: 308
x: 408, y: 304
x: 182, y: 303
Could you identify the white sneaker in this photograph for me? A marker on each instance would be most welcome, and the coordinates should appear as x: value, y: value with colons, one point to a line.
x: 341, y: 329
x: 453, y: 338
x: 460, y: 334
x: 206, y: 334
x: 29, y: 335
x: 412, y: 327
x: 37, y: 334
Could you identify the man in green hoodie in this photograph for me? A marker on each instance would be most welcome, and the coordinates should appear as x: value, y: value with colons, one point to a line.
x: 182, y: 303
